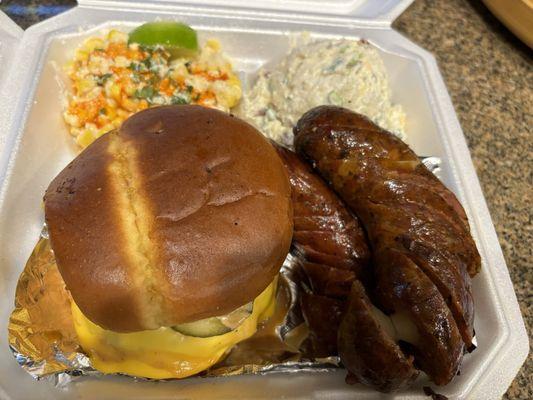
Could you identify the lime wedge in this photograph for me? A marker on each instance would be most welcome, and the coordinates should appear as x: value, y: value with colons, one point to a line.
x: 179, y: 39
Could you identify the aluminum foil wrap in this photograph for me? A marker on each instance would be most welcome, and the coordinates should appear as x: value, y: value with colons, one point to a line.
x: 44, y: 342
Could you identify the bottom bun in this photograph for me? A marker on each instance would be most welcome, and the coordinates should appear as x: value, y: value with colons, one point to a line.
x: 164, y: 353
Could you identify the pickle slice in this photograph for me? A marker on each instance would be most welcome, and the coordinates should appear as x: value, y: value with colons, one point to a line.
x: 179, y: 39
x: 202, y: 328
x: 215, y: 326
x: 237, y: 316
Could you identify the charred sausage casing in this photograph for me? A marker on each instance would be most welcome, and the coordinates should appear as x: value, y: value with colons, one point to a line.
x: 423, y: 254
x: 332, y: 249
x: 325, y: 231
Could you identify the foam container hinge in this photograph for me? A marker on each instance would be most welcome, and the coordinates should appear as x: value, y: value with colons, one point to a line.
x: 37, y: 147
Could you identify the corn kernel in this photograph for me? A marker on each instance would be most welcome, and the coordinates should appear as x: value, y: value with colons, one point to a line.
x: 72, y: 120
x: 129, y: 89
x: 69, y: 66
x: 122, y: 62
x: 93, y: 43
x: 128, y: 104
x: 85, y: 85
x: 213, y: 44
x: 117, y: 36
x: 122, y: 113
x: 111, y: 113
x: 85, y: 138
x: 113, y: 90
x: 82, y: 55
x: 104, y: 129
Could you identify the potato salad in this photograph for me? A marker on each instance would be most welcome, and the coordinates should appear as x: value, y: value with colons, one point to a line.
x: 346, y: 73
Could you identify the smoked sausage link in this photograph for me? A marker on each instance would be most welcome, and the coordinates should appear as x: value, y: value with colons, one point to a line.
x: 423, y: 254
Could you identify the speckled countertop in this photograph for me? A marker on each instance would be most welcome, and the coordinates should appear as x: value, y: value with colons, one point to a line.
x: 489, y: 74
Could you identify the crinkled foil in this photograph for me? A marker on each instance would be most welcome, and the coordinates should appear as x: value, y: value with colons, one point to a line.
x: 44, y: 342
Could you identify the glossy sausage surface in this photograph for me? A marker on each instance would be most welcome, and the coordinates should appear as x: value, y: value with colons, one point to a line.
x: 325, y: 231
x: 422, y: 252
x: 333, y: 252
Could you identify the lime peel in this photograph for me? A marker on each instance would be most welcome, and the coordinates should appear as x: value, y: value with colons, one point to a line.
x: 177, y: 38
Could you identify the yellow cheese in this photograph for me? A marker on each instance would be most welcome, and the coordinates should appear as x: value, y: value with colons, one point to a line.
x: 164, y: 353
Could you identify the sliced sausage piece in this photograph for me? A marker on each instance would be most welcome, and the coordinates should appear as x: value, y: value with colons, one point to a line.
x: 327, y: 281
x: 333, y: 251
x: 403, y: 287
x: 325, y: 232
x: 416, y: 228
x: 342, y: 144
x: 368, y: 351
x: 323, y: 316
x: 427, y: 241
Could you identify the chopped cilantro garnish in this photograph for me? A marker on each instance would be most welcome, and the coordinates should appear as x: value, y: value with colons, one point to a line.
x: 141, y: 66
x: 135, y: 66
x: 101, y: 80
x: 135, y: 77
x: 144, y: 48
x: 147, y: 63
x: 180, y: 98
x: 145, y: 93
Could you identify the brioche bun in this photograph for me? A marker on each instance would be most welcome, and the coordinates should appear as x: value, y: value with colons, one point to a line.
x: 181, y: 214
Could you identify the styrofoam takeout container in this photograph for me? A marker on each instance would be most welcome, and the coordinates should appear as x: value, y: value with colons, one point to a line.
x: 10, y: 35
x: 252, y: 33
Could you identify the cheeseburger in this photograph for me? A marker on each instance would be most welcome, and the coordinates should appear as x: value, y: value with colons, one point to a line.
x: 169, y: 234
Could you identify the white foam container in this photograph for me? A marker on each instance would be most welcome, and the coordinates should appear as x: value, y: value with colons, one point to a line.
x: 37, y: 147
x: 10, y: 35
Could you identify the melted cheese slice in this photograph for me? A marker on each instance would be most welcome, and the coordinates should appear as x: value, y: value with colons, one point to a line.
x: 164, y: 353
